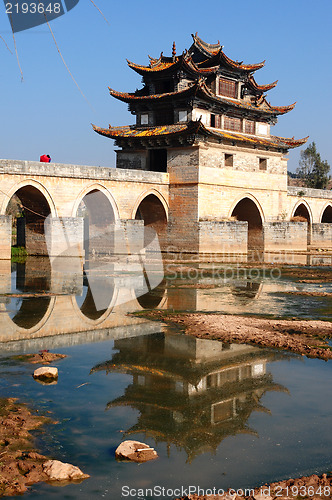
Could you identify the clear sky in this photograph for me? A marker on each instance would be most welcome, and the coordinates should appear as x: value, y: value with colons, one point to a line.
x: 46, y: 113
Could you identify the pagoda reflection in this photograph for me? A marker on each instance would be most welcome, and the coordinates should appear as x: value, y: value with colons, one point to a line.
x: 190, y: 392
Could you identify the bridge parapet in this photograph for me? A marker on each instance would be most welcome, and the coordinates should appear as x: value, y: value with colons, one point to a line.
x: 23, y: 167
x: 309, y: 192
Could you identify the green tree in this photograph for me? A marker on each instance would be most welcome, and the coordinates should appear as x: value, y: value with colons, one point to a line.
x: 312, y: 169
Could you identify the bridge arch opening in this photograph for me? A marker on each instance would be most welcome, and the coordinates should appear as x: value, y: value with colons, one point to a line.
x: 154, y: 298
x: 327, y: 214
x: 152, y: 212
x: 29, y: 208
x: 99, y: 219
x: 303, y: 212
x: 247, y: 210
x: 97, y: 299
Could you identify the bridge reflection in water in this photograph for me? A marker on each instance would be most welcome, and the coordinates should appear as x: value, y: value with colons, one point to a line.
x: 191, y: 392
x: 42, y: 305
x: 39, y: 301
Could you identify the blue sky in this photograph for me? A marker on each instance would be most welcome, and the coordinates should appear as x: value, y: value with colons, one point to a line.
x: 46, y: 113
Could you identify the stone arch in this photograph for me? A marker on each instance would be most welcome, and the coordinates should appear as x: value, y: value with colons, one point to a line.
x: 248, y: 209
x: 253, y: 199
x: 144, y: 195
x: 30, y: 204
x: 152, y: 209
x: 153, y: 298
x: 99, y: 210
x: 89, y: 310
x: 326, y: 215
x: 302, y: 209
x: 29, y: 182
x: 31, y: 313
x: 102, y: 189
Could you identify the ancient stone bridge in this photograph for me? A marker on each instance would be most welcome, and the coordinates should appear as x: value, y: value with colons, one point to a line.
x: 59, y: 190
x: 193, y: 209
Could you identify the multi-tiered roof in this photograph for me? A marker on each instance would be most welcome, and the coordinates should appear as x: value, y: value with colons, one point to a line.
x: 201, y: 93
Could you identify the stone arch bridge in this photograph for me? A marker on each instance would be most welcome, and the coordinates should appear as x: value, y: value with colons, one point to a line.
x: 192, y: 210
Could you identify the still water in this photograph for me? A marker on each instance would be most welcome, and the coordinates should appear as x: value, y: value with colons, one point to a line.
x: 219, y: 415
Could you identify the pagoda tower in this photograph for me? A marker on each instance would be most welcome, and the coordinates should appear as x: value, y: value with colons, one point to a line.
x: 203, y: 119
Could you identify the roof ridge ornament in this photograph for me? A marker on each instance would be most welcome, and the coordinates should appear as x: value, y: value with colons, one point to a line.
x: 173, y: 51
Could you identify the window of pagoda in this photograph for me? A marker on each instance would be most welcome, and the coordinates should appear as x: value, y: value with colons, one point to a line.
x: 262, y: 163
x: 232, y: 123
x: 229, y: 160
x: 183, y: 115
x: 144, y: 119
x: 216, y: 121
x: 249, y: 127
x: 164, y: 116
x: 163, y: 86
x: 227, y: 88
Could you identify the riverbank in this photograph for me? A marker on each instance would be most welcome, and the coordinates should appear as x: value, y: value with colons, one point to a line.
x: 309, y: 338
x: 313, y: 487
x: 20, y: 464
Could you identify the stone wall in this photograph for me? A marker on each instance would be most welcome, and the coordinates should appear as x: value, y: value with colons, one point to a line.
x: 244, y: 159
x: 64, y: 236
x: 309, y: 192
x: 321, y: 235
x: 133, y: 160
x: 5, y: 236
x: 223, y: 236
x: 281, y: 236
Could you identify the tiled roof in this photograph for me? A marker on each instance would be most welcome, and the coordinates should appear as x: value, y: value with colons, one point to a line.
x: 139, y: 132
x: 161, y: 66
x: 273, y: 140
x: 208, y: 48
x: 201, y: 90
x: 185, y: 61
x: 240, y: 65
x: 263, y: 106
x: 264, y: 88
x: 195, y: 127
x: 215, y: 51
x: 130, y: 97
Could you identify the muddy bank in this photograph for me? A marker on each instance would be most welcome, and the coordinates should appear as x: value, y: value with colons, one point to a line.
x: 309, y: 294
x: 308, y: 274
x: 20, y: 464
x: 317, y: 487
x: 298, y: 336
x: 42, y: 357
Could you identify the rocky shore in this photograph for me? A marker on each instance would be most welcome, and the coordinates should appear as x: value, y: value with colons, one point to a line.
x: 20, y: 464
x: 313, y: 487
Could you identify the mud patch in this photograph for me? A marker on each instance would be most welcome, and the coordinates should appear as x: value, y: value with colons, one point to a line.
x: 298, y: 336
x: 42, y: 357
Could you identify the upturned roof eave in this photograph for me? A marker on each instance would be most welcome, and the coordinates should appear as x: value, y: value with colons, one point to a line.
x: 197, y: 128
x: 204, y: 92
x: 134, y: 97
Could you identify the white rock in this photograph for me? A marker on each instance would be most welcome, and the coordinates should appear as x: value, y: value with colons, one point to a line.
x: 135, y: 451
x: 59, y: 471
x: 260, y: 496
x: 46, y: 372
